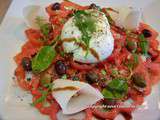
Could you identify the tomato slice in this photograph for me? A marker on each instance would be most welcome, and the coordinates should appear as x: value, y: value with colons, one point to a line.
x: 88, y: 114
x: 28, y: 49
x: 153, y: 32
x: 154, y: 70
x: 20, y: 74
x: 34, y: 37
x: 80, y: 67
x: 106, y: 115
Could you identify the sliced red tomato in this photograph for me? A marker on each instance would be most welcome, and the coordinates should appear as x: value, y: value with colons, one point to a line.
x: 154, y: 54
x: 35, y: 82
x: 80, y: 67
x: 18, y: 58
x: 34, y: 37
x: 89, y: 115
x: 153, y: 32
x: 153, y: 43
x: 55, y: 109
x: 20, y: 74
x: 157, y: 60
x: 154, y: 70
x: 106, y: 115
x: 28, y: 49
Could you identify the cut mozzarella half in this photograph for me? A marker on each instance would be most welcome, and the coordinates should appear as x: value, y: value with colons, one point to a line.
x: 126, y: 17
x: 101, y: 41
x: 31, y: 12
x: 74, y: 100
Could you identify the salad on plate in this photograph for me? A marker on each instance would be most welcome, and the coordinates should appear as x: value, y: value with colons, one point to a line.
x: 102, y: 61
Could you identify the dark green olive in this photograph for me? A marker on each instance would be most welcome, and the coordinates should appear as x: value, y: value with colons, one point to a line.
x: 92, y: 77
x: 138, y: 80
x: 131, y: 46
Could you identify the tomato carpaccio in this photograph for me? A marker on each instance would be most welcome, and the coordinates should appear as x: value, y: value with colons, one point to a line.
x: 127, y: 60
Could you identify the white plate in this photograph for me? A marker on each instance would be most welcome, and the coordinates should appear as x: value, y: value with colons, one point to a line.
x: 12, y: 38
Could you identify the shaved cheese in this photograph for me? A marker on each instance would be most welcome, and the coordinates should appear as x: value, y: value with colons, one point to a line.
x: 126, y: 17
x: 31, y: 12
x: 74, y: 100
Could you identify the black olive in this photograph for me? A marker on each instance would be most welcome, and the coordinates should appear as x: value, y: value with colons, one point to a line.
x: 131, y: 46
x: 92, y: 77
x: 26, y: 63
x: 60, y: 67
x: 56, y: 6
x: 146, y: 33
x: 138, y: 80
x: 93, y: 6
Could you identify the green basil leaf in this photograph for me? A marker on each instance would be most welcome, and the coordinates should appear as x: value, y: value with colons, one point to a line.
x: 43, y: 25
x: 107, y: 94
x: 41, y: 99
x: 119, y: 85
x: 43, y: 59
x: 144, y: 44
x: 132, y: 63
x: 86, y: 24
x: 116, y: 89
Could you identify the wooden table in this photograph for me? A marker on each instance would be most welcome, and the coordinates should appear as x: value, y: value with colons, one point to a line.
x: 4, y: 4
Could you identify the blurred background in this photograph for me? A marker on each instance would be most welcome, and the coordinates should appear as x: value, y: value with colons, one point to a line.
x: 4, y: 4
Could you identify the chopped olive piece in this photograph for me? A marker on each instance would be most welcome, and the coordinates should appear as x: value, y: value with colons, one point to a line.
x: 60, y: 67
x: 26, y: 63
x: 138, y: 80
x: 131, y: 46
x: 92, y: 77
x: 146, y: 33
x: 56, y: 6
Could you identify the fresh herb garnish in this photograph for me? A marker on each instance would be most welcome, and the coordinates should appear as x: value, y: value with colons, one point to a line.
x: 103, y: 72
x: 144, y: 44
x: 43, y: 59
x: 86, y: 24
x: 114, y: 72
x: 134, y: 62
x: 44, y: 26
x: 43, y: 97
x: 116, y: 89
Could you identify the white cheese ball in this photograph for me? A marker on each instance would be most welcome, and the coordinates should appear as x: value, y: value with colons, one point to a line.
x: 101, y: 40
